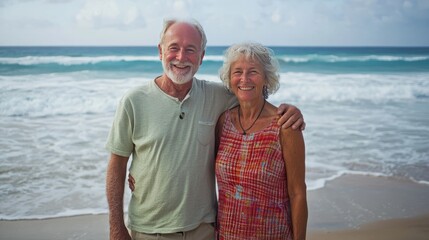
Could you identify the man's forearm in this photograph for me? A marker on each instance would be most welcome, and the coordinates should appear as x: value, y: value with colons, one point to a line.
x: 115, y: 180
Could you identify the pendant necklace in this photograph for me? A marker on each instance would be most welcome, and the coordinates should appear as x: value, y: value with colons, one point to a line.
x: 239, y: 120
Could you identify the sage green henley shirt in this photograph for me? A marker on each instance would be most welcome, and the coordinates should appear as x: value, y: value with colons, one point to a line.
x: 172, y: 158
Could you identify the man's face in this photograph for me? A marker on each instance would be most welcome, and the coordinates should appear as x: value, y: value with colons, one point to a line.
x: 181, y: 52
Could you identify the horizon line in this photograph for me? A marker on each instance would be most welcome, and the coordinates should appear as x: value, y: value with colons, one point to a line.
x: 320, y: 46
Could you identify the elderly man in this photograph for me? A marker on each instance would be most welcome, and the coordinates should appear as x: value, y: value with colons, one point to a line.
x: 168, y: 125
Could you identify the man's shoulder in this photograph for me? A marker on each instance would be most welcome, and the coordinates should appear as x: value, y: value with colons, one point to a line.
x: 212, y: 85
x: 138, y: 91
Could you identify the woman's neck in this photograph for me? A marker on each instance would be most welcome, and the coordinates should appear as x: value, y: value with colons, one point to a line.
x: 251, y: 109
x: 253, y: 113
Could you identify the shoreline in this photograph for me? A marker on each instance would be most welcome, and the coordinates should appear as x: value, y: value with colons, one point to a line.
x: 349, y: 207
x: 415, y: 228
x: 351, y: 201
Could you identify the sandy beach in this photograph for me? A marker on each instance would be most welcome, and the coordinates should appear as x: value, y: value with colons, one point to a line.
x: 350, y: 207
x: 366, y: 207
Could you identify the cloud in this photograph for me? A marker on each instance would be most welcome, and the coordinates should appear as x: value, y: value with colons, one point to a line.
x: 4, y: 3
x: 179, y: 8
x: 276, y: 17
x: 29, y: 23
x: 59, y: 1
x: 364, y: 12
x: 179, y: 5
x: 109, y: 14
x: 417, y: 10
x: 280, y: 22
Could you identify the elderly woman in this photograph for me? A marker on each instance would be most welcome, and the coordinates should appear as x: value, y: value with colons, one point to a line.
x: 260, y: 167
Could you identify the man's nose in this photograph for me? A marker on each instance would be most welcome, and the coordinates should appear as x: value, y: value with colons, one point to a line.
x: 181, y: 54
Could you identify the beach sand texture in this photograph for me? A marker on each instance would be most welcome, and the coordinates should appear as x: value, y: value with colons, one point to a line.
x: 350, y: 207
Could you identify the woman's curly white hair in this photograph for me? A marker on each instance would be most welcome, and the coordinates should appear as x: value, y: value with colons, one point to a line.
x: 255, y: 52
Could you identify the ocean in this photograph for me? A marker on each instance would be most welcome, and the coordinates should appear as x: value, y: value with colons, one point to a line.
x: 366, y: 109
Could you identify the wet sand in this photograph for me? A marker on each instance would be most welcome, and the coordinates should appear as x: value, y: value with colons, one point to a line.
x: 350, y: 207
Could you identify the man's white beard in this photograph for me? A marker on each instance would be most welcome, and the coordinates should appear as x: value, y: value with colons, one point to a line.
x: 179, y: 78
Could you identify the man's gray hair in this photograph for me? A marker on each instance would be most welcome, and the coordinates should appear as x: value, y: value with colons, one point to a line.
x: 192, y: 22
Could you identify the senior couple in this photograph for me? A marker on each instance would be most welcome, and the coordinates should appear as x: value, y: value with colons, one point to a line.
x: 182, y: 131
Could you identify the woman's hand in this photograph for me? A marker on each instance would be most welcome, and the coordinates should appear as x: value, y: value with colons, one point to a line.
x: 131, y: 182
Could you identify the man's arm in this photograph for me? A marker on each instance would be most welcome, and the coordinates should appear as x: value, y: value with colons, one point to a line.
x: 115, y: 180
x: 290, y: 116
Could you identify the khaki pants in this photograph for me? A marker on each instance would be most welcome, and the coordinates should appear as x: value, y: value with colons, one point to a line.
x: 205, y: 231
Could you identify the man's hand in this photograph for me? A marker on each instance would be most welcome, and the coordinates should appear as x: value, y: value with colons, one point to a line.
x: 290, y: 116
x: 120, y: 234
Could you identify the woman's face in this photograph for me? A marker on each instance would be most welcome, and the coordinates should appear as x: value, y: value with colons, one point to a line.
x: 247, y: 79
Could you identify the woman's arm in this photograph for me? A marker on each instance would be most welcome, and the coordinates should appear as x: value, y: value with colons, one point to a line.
x: 293, y: 148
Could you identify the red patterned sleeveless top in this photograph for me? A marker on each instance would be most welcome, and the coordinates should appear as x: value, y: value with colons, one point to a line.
x: 251, y: 177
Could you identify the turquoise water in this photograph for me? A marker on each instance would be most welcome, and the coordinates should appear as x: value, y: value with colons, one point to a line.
x: 37, y: 60
x: 366, y: 111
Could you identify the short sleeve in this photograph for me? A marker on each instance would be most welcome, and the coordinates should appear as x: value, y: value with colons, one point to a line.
x: 120, y: 139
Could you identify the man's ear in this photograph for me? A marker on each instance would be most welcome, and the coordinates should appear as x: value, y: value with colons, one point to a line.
x: 160, y: 51
x: 202, y: 57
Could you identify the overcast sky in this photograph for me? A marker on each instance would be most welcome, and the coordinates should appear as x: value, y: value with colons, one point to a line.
x: 271, y: 22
